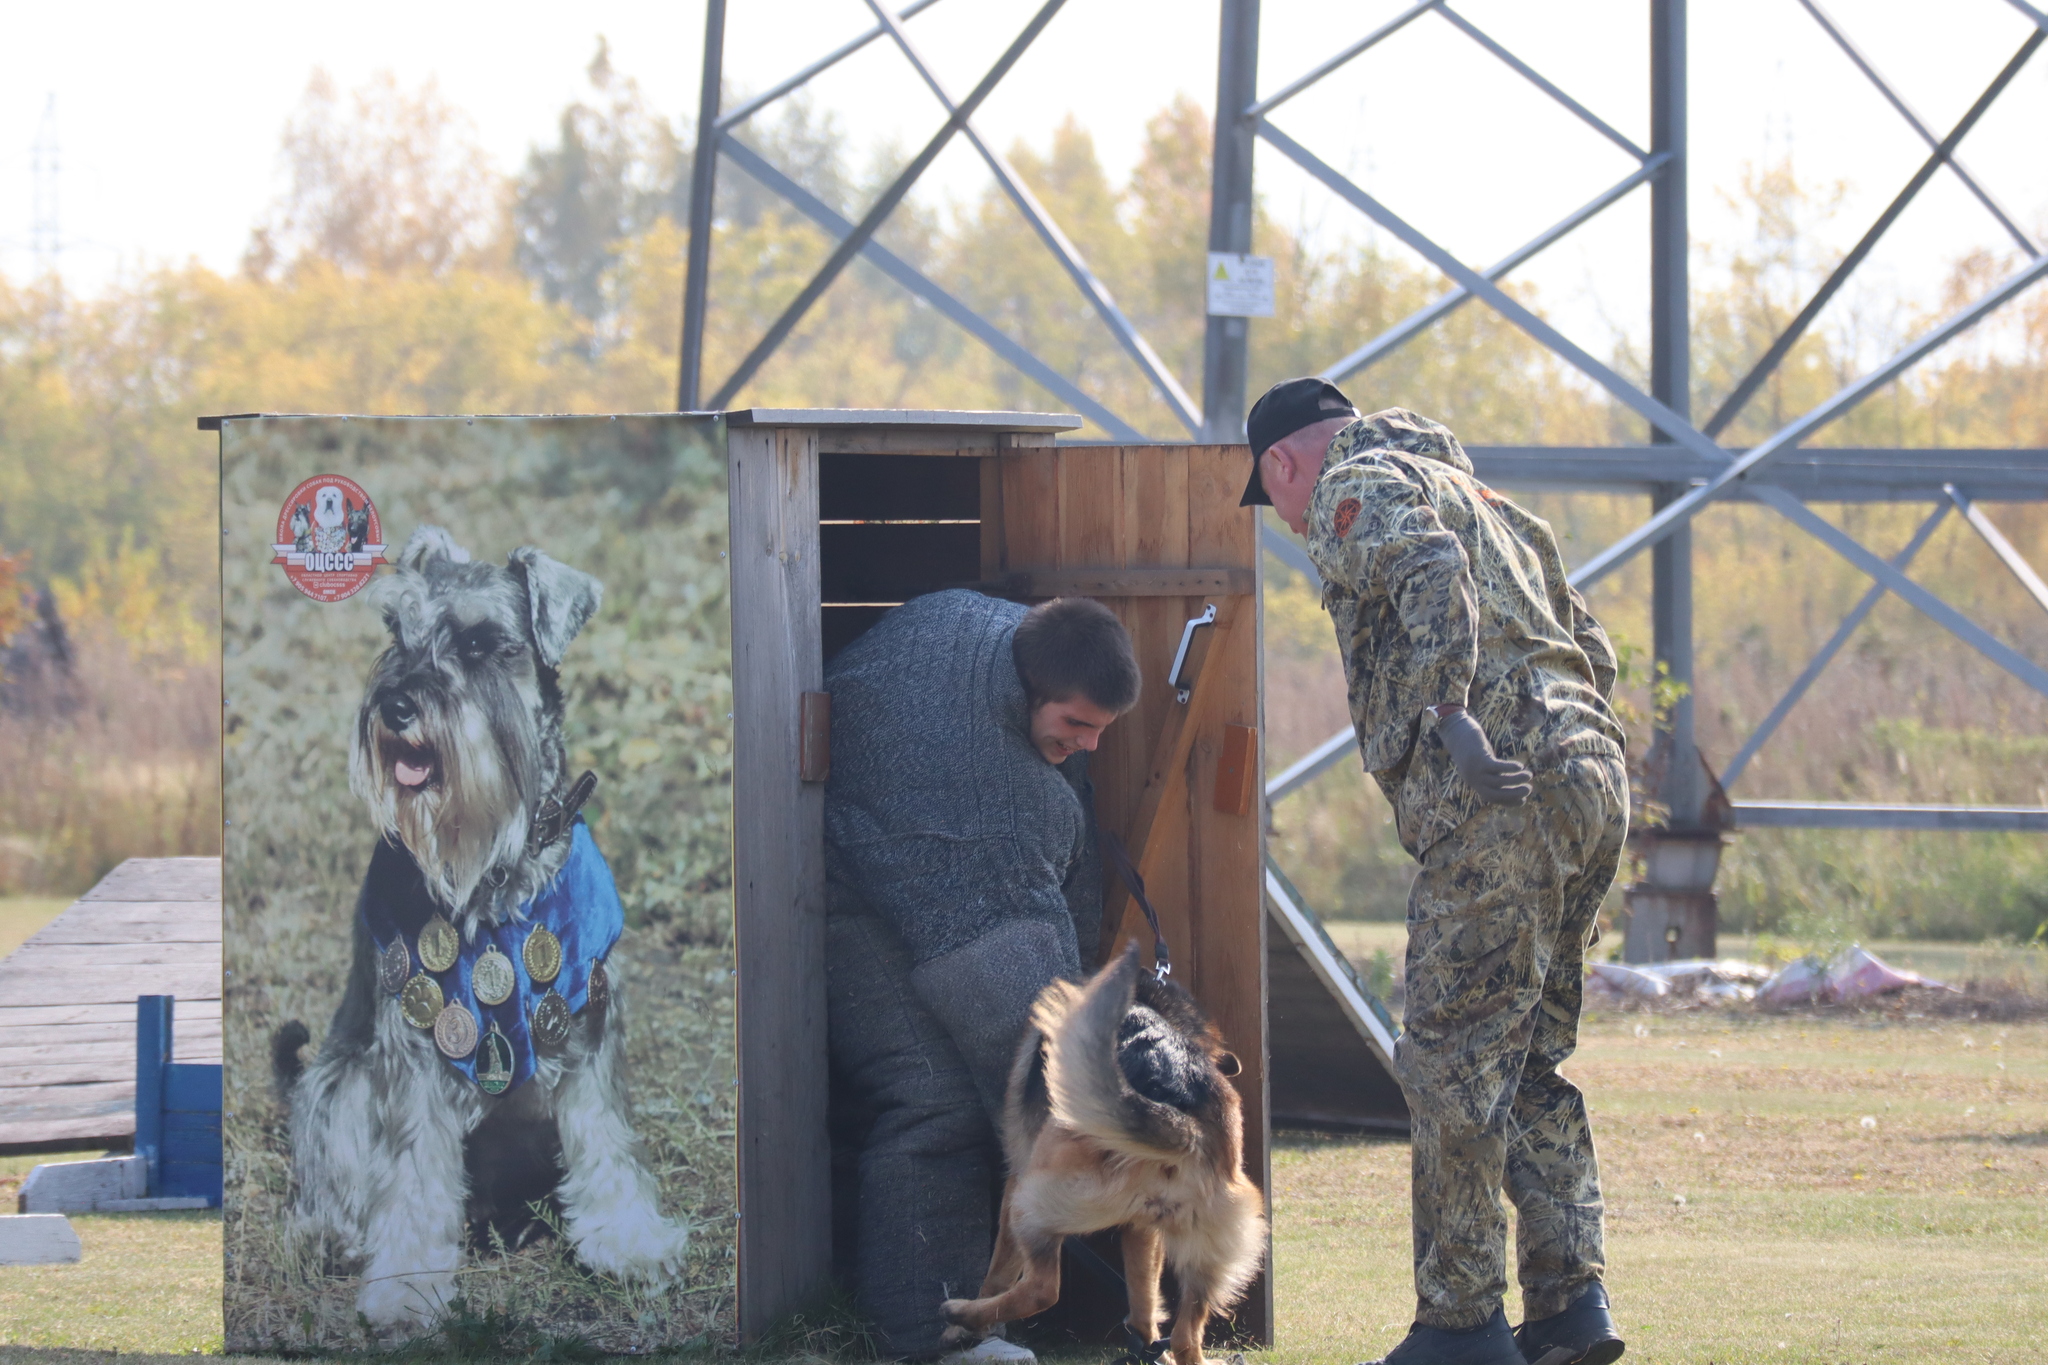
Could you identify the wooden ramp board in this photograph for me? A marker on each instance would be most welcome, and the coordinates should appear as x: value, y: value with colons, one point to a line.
x: 67, y: 999
x: 1331, y: 1041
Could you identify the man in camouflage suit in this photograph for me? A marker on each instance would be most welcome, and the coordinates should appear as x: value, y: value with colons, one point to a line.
x: 1479, y: 686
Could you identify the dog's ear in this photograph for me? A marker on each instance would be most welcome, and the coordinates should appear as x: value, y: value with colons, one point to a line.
x: 428, y: 544
x: 1227, y: 1063
x: 559, y: 600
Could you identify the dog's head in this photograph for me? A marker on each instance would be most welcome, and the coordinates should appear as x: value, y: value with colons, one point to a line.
x: 302, y: 519
x: 459, y: 735
x: 327, y: 506
x: 358, y: 521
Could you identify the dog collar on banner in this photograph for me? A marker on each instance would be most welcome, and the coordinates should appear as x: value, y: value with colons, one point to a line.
x: 556, y: 814
x: 493, y: 998
x: 1127, y: 872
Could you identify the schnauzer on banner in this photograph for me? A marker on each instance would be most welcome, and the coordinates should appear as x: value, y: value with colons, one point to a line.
x: 474, y: 1062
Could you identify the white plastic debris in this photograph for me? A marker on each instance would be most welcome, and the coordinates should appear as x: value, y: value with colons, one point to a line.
x: 1855, y: 974
x: 1627, y: 982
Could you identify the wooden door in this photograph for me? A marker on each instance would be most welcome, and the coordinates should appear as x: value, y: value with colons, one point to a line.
x: 1155, y: 533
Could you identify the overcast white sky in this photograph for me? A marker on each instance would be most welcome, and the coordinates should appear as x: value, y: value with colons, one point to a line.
x: 169, y: 115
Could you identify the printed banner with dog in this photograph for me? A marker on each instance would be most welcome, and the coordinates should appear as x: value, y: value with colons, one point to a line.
x: 476, y: 779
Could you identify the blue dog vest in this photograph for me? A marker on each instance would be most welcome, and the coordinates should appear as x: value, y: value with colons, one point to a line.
x: 580, y: 907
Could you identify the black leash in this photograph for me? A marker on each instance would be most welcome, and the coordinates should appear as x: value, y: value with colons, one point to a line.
x: 1138, y: 1351
x: 1127, y: 873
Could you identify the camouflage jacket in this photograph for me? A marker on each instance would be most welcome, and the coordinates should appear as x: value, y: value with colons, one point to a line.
x: 1442, y: 590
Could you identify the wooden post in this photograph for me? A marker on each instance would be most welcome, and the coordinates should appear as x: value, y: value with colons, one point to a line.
x: 785, y: 1241
x: 153, y: 1017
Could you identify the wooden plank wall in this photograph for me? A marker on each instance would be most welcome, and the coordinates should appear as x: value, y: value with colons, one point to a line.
x: 785, y: 1250
x: 1167, y: 507
x: 67, y: 999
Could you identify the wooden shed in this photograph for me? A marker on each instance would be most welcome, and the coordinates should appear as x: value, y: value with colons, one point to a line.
x: 838, y: 515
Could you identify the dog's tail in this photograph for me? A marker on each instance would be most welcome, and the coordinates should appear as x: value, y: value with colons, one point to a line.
x: 1088, y: 1090
x: 285, y: 1066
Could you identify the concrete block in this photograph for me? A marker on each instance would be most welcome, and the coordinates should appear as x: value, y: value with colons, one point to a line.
x: 38, y: 1239
x: 82, y: 1186
x: 162, y: 1203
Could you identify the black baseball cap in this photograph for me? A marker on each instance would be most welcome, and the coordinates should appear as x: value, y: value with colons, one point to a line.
x: 1281, y: 411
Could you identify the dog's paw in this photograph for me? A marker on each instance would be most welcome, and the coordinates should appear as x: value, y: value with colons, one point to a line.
x: 955, y: 1311
x: 641, y: 1246
x: 402, y: 1306
x: 956, y: 1336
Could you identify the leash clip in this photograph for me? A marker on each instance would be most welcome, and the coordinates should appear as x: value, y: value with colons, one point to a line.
x: 1138, y: 1351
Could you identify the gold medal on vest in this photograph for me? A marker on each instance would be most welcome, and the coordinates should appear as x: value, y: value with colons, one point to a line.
x: 542, y: 955
x: 455, y: 1032
x: 420, y: 1002
x: 440, y: 945
x: 551, y: 1020
x: 492, y: 977
x: 394, y: 964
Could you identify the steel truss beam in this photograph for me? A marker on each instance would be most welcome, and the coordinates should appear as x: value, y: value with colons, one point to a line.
x: 1659, y: 416
x: 1446, y: 304
x: 742, y: 112
x: 1905, y: 111
x: 1056, y: 241
x: 884, y: 205
x: 1746, y: 388
x: 1815, y: 473
x: 2007, y: 554
x: 912, y: 279
x: 1683, y: 510
x: 854, y: 239
x: 1811, y: 673
x: 1541, y: 82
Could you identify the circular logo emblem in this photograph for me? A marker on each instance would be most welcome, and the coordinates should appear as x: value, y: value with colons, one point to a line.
x: 1347, y: 516
x: 329, y: 538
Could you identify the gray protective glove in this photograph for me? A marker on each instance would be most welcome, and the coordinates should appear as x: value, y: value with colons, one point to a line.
x: 1498, y: 781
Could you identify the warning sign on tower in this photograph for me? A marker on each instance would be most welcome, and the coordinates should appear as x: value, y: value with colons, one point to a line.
x: 1240, y: 286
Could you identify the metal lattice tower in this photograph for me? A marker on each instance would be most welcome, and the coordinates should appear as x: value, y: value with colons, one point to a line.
x: 1683, y: 470
x: 45, y: 239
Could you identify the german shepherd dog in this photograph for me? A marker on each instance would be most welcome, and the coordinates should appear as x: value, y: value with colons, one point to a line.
x: 1120, y: 1114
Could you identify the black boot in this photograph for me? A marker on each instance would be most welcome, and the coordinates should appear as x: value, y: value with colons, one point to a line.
x: 1490, y: 1343
x: 1582, y: 1334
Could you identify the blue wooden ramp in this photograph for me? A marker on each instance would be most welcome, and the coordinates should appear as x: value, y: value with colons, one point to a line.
x: 177, y: 1109
x: 67, y: 1001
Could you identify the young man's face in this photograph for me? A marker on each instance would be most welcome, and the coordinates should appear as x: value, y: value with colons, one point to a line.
x: 1063, y: 728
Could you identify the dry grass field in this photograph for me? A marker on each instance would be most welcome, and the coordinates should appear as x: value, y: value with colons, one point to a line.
x: 1754, y: 1215
x: 22, y: 916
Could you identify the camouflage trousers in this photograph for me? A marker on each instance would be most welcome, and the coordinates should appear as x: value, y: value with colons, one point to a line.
x: 1498, y: 922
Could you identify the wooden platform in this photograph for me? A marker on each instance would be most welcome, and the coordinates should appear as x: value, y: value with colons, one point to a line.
x: 67, y: 999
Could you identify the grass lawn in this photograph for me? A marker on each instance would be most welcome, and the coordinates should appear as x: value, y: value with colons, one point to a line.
x: 22, y: 916
x: 150, y: 1282
x: 1752, y: 1214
